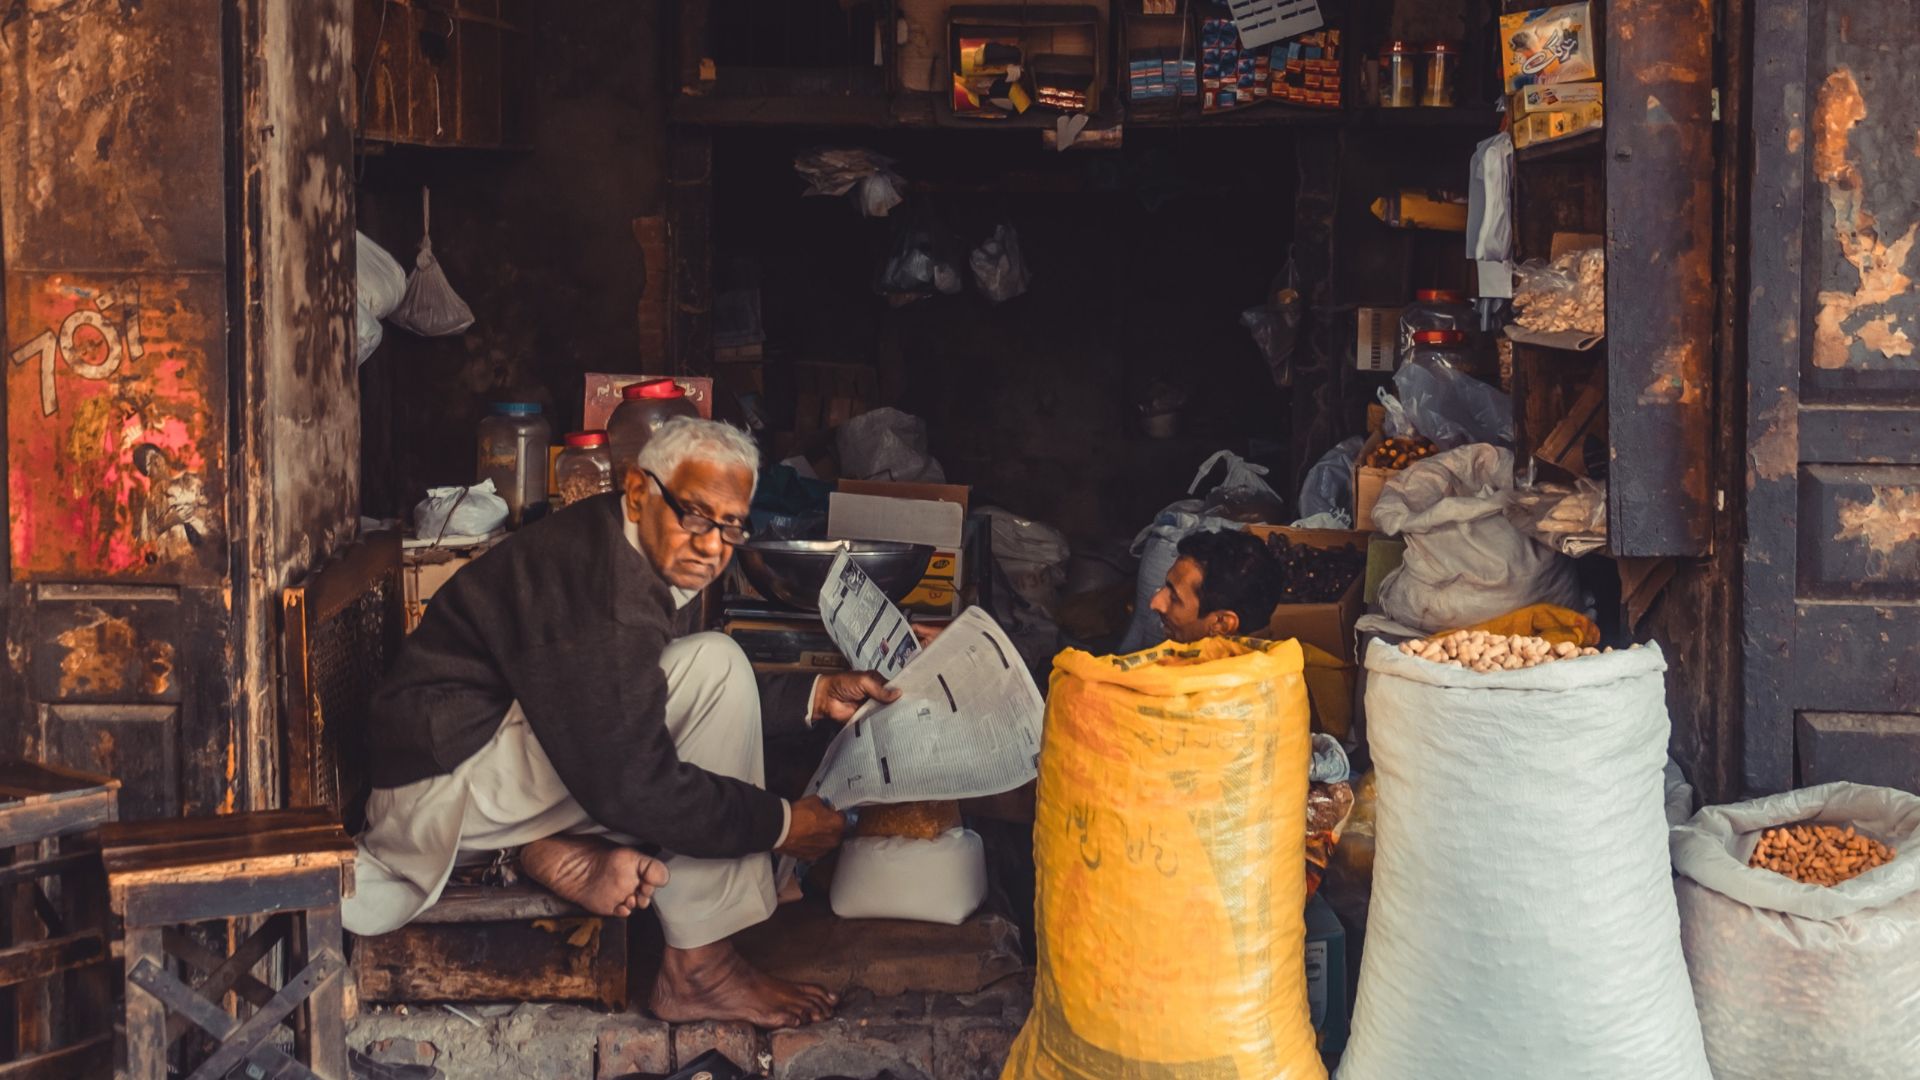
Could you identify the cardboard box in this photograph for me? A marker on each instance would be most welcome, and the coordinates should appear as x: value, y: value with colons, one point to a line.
x: 1329, y: 626
x: 1376, y: 338
x: 1368, y: 482
x: 1544, y: 113
x: 1548, y: 45
x: 425, y: 570
x: 933, y: 514
x: 786, y: 645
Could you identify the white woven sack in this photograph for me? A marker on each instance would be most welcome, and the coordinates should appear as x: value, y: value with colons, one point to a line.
x: 1796, y: 980
x: 1523, y: 924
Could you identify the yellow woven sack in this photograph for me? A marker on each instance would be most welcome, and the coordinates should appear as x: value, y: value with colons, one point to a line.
x: 1170, y: 832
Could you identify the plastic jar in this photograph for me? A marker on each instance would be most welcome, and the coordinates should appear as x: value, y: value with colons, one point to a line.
x: 1447, y: 346
x: 1434, y: 309
x: 513, y: 454
x: 1399, y: 83
x: 1441, y: 74
x: 644, y: 406
x: 584, y: 469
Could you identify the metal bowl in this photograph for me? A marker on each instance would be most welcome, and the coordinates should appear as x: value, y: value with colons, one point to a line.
x: 792, y: 571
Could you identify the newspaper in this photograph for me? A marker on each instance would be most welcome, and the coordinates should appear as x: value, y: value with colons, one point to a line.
x: 868, y: 629
x: 966, y: 724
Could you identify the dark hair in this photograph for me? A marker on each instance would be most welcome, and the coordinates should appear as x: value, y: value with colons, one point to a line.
x: 1238, y: 575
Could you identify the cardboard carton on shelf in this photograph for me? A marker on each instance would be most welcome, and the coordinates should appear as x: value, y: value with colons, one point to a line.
x: 1368, y: 482
x: 932, y: 514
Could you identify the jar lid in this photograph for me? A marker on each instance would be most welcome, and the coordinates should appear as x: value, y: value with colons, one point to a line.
x: 516, y: 408
x: 1399, y: 47
x: 1443, y: 46
x: 1440, y: 296
x: 1440, y: 337
x: 652, y: 390
x: 586, y: 438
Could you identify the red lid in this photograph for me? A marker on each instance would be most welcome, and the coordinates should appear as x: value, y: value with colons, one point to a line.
x: 1443, y: 46
x: 653, y: 390
x: 1399, y: 47
x: 1440, y: 296
x: 586, y: 438
x: 1439, y: 337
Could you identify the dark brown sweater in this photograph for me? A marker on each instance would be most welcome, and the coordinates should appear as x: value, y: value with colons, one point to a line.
x: 566, y: 618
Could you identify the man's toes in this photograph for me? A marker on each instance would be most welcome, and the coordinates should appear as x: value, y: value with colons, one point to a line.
x: 653, y: 874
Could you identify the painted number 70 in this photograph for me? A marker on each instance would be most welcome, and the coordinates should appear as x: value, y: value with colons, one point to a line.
x: 51, y: 346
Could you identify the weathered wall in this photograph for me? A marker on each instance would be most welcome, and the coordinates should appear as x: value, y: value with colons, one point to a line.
x: 541, y: 244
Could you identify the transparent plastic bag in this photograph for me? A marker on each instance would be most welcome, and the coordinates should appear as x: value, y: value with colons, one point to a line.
x: 1275, y: 326
x: 924, y: 260
x: 1243, y: 496
x: 998, y: 267
x: 1567, y: 294
x: 887, y: 444
x: 1328, y: 488
x: 1798, y: 980
x: 430, y: 307
x: 838, y: 171
x: 1571, y: 519
x: 1451, y: 408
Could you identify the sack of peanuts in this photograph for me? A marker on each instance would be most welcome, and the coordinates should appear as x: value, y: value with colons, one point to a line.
x: 1522, y: 921
x: 1800, y: 913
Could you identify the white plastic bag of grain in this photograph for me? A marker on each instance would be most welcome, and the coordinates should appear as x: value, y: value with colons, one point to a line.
x: 1523, y: 925
x: 1796, y: 980
x: 1465, y: 562
x: 941, y: 880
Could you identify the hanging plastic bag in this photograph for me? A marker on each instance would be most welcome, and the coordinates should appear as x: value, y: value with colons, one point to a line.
x: 1465, y: 562
x: 1328, y: 488
x: 923, y: 261
x: 1450, y: 407
x: 998, y: 267
x: 378, y: 285
x: 430, y: 307
x: 449, y: 512
x: 1797, y: 980
x: 1173, y: 785
x: 1243, y: 495
x: 887, y: 444
x: 1275, y: 326
x: 1523, y: 924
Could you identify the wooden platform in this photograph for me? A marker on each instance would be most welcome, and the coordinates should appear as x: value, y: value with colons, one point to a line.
x: 807, y: 942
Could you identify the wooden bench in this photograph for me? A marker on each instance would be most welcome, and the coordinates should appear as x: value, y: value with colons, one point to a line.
x: 51, y: 812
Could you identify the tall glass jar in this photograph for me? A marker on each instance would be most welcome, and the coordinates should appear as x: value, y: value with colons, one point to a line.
x: 513, y: 454
x: 1433, y: 309
x: 1399, y: 80
x: 644, y: 406
x: 585, y: 467
x: 1441, y: 73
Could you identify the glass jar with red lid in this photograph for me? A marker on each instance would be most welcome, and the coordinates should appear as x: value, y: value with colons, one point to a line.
x: 1434, y: 309
x: 585, y: 468
x: 644, y: 406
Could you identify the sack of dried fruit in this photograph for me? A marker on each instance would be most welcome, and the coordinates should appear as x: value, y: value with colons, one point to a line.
x: 1797, y: 978
x: 1522, y: 921
x: 1168, y: 843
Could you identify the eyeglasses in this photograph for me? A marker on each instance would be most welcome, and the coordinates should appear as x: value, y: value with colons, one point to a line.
x: 697, y: 524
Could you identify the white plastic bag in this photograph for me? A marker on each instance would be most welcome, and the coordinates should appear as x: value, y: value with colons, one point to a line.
x: 998, y: 267
x: 887, y: 444
x: 1797, y: 980
x: 378, y: 285
x: 1033, y: 554
x: 1465, y: 562
x: 1243, y: 495
x: 430, y: 307
x: 838, y: 171
x: 459, y: 511
x: 941, y: 880
x: 1523, y: 925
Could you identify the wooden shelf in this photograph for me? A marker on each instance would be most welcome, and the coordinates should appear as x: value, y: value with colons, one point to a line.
x: 1586, y: 146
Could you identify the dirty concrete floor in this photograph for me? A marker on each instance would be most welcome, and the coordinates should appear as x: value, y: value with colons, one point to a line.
x: 912, y: 1036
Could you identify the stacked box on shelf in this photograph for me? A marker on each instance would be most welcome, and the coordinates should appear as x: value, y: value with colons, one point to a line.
x: 1306, y: 70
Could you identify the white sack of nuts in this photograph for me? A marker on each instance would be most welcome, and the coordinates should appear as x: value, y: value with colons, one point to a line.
x: 1482, y: 651
x: 1803, y: 979
x: 1523, y: 925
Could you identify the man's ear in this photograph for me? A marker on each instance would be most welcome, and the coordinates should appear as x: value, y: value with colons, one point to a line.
x: 636, y: 493
x: 1224, y: 623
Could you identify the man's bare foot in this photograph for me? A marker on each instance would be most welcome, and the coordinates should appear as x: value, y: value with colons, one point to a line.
x: 713, y: 982
x: 597, y: 874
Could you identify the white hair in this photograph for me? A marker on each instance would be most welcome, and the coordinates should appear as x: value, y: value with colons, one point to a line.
x: 685, y: 438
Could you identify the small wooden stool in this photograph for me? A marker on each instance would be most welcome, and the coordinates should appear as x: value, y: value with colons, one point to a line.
x: 291, y: 867
x: 41, y: 803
